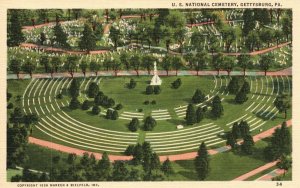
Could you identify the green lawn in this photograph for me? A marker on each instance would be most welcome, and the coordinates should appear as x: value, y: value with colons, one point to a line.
x: 44, y: 92
x: 12, y: 172
x: 223, y: 166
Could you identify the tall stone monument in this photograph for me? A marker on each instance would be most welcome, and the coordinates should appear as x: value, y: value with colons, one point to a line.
x: 155, y: 81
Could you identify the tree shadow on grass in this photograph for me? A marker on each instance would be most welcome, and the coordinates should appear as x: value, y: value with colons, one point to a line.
x: 176, y: 121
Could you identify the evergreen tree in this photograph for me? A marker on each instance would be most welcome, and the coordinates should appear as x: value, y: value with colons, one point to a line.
x: 231, y: 140
x: 217, y: 108
x: 198, y: 96
x: 42, y: 38
x: 190, y: 115
x: 129, y: 150
x: 95, y: 110
x: 88, y: 40
x: 241, y: 97
x: 74, y: 103
x: 167, y: 167
x: 14, y: 33
x: 149, y: 123
x: 93, y: 90
x: 74, y: 88
x: 247, y: 145
x: 134, y: 124
x: 202, y: 162
x: 60, y: 36
x: 120, y: 171
x: 233, y: 86
x: 246, y: 87
x: 199, y: 114
x: 282, y: 103
x: 236, y: 131
x: 103, y: 168
x: 281, y: 143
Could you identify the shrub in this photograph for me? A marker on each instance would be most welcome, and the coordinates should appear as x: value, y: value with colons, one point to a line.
x: 149, y: 123
x: 132, y: 84
x: 149, y: 90
x: 156, y: 90
x: 95, y: 110
x: 59, y: 96
x: 85, y: 105
x: 115, y: 115
x: 153, y: 102
x: 9, y: 95
x: 119, y: 107
x: 146, y: 102
x: 176, y: 84
x: 109, y: 114
x: 10, y: 106
x: 133, y: 125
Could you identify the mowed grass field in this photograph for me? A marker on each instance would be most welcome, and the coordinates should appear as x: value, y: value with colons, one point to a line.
x: 81, y: 129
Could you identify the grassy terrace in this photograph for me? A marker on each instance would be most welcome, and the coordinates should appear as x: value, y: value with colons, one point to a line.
x: 81, y: 129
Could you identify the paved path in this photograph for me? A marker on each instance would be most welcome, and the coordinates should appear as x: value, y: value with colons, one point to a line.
x: 53, y: 49
x: 270, y: 175
x: 175, y: 157
x: 284, y: 72
x: 255, y: 171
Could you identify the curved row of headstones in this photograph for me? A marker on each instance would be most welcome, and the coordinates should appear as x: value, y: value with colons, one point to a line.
x: 185, y: 139
x: 60, y: 126
x: 263, y: 108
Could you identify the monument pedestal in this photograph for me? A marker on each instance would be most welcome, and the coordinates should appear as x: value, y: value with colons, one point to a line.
x: 155, y: 81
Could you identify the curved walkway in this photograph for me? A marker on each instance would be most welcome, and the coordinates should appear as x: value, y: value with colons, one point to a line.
x: 269, y: 176
x: 176, y: 157
x: 283, y: 72
x: 255, y: 171
x: 52, y: 49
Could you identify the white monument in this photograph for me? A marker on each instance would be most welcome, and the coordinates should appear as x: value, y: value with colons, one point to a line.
x: 155, y: 81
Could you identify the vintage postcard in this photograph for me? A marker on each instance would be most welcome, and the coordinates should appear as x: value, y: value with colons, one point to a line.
x: 163, y: 93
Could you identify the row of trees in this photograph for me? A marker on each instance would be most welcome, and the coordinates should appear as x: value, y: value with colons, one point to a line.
x: 149, y: 124
x: 195, y: 116
x: 200, y: 61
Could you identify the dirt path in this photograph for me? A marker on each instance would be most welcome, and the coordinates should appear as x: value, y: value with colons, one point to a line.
x: 60, y: 50
x: 175, y: 157
x: 283, y: 72
x: 270, y: 175
x: 255, y: 171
